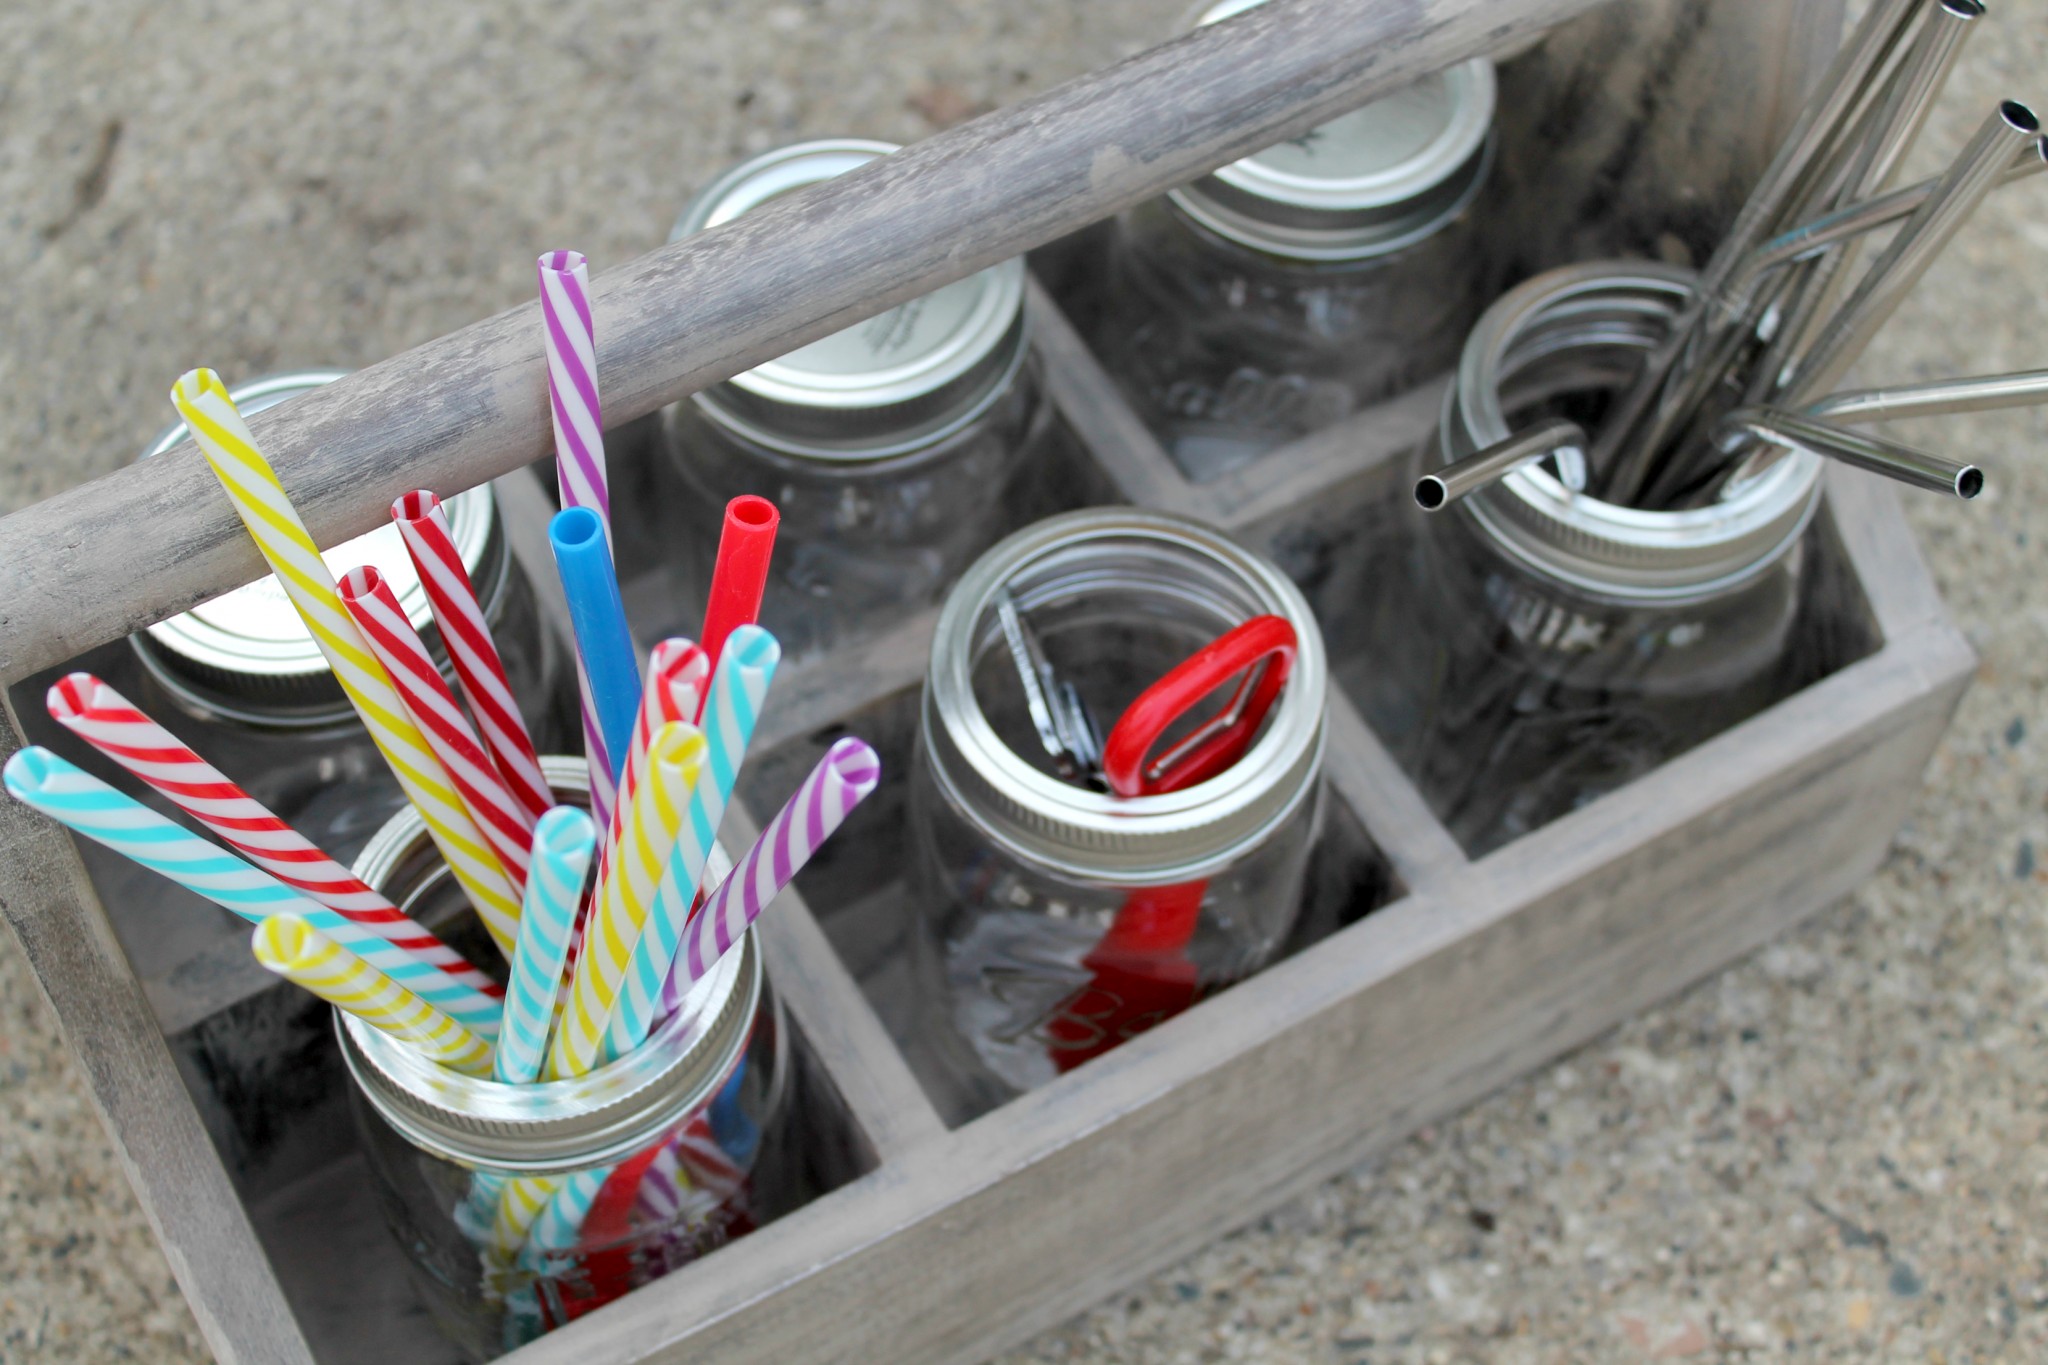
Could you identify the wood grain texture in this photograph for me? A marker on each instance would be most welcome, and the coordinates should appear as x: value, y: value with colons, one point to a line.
x: 157, y: 538
x: 161, y: 1144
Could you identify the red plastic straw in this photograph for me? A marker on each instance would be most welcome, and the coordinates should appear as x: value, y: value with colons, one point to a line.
x: 741, y: 574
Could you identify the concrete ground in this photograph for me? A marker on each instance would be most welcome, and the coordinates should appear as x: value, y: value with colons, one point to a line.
x: 1831, y: 1151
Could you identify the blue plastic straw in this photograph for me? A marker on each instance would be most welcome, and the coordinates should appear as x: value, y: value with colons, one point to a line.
x: 584, y: 561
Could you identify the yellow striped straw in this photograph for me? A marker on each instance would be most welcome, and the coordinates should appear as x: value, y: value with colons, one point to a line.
x: 259, y: 499
x: 518, y: 1205
x: 675, y: 757
x: 295, y: 950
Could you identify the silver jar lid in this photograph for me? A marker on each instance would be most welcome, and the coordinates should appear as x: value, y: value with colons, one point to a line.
x: 1077, y: 832
x: 1364, y: 184
x: 898, y: 381
x: 246, y: 654
x: 552, y: 1126
x: 1620, y: 552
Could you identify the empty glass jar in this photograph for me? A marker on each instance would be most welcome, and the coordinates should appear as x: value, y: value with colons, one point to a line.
x: 240, y: 679
x: 1305, y: 282
x: 665, y: 1154
x: 889, y: 447
x: 1556, y: 646
x: 1060, y: 921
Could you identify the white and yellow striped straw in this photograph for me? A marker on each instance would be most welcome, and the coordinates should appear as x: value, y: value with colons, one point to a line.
x: 295, y: 950
x: 675, y: 759
x: 250, y: 483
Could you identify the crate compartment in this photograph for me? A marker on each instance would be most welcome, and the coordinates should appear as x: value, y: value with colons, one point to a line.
x: 856, y: 890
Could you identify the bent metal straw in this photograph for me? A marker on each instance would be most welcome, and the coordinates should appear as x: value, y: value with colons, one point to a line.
x: 675, y: 759
x: 731, y: 711
x: 84, y: 804
x: 424, y: 527
x: 563, y: 843
x: 108, y: 721
x: 571, y: 342
x: 433, y: 708
x: 842, y: 780
x: 295, y: 950
x: 259, y: 499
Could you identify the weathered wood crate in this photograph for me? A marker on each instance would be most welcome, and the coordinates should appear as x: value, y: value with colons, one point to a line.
x: 1420, y: 979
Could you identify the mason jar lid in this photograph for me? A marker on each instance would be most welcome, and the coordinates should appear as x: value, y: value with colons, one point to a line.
x: 549, y: 1127
x: 905, y: 378
x: 246, y: 654
x: 1080, y: 833
x: 1619, y: 552
x: 1366, y: 183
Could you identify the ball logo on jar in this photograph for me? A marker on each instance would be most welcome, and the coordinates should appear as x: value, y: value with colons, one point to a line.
x: 1257, y: 401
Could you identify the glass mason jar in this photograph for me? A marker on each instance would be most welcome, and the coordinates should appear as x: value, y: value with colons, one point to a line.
x: 1305, y: 282
x: 1558, y: 646
x: 671, y: 1151
x: 240, y: 679
x: 889, y: 447
x: 1059, y: 921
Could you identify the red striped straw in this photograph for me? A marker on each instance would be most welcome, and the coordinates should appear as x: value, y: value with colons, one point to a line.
x: 571, y: 343
x: 108, y: 721
x: 472, y: 650
x: 374, y: 606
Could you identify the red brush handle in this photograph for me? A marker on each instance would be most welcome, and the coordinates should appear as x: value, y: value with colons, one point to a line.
x: 1268, y: 639
x: 741, y: 573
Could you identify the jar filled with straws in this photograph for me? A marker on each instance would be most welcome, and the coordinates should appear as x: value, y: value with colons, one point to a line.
x: 1292, y: 288
x: 894, y: 449
x: 1548, y: 647
x: 554, y: 1131
x: 1083, y: 882
x: 523, y: 1206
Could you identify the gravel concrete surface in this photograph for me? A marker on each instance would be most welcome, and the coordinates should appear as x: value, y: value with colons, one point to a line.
x: 1832, y: 1151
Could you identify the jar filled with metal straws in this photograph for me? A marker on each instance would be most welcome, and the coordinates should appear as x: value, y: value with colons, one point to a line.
x: 1308, y: 281
x: 1554, y: 646
x: 241, y: 679
x: 521, y: 1207
x: 1061, y: 918
x: 889, y: 447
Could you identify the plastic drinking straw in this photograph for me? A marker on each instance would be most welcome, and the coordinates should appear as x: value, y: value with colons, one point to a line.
x: 739, y: 687
x: 108, y: 721
x: 82, y: 803
x: 675, y: 759
x: 252, y: 486
x: 563, y: 843
x: 424, y: 527
x: 433, y: 708
x: 740, y: 575
x: 677, y: 672
x: 843, y: 778
x: 579, y: 454
x: 520, y: 1202
x: 295, y: 950
x: 603, y: 642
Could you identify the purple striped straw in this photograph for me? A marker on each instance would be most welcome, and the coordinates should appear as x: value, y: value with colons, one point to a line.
x: 844, y: 776
x: 579, y: 456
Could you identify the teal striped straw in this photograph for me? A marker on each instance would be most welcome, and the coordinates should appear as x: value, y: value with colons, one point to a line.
x: 563, y: 842
x: 82, y: 803
x: 559, y: 1224
x: 746, y: 666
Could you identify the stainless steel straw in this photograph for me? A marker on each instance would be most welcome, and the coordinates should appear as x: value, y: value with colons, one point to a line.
x: 1981, y: 393
x: 1438, y: 490
x: 1893, y: 459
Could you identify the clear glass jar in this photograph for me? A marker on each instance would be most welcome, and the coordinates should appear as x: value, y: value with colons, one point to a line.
x: 1299, y: 285
x: 1555, y: 646
x: 1059, y: 921
x: 241, y: 681
x: 684, y: 1141
x: 890, y: 448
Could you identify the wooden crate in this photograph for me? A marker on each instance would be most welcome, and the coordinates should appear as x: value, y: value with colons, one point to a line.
x: 1422, y: 978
